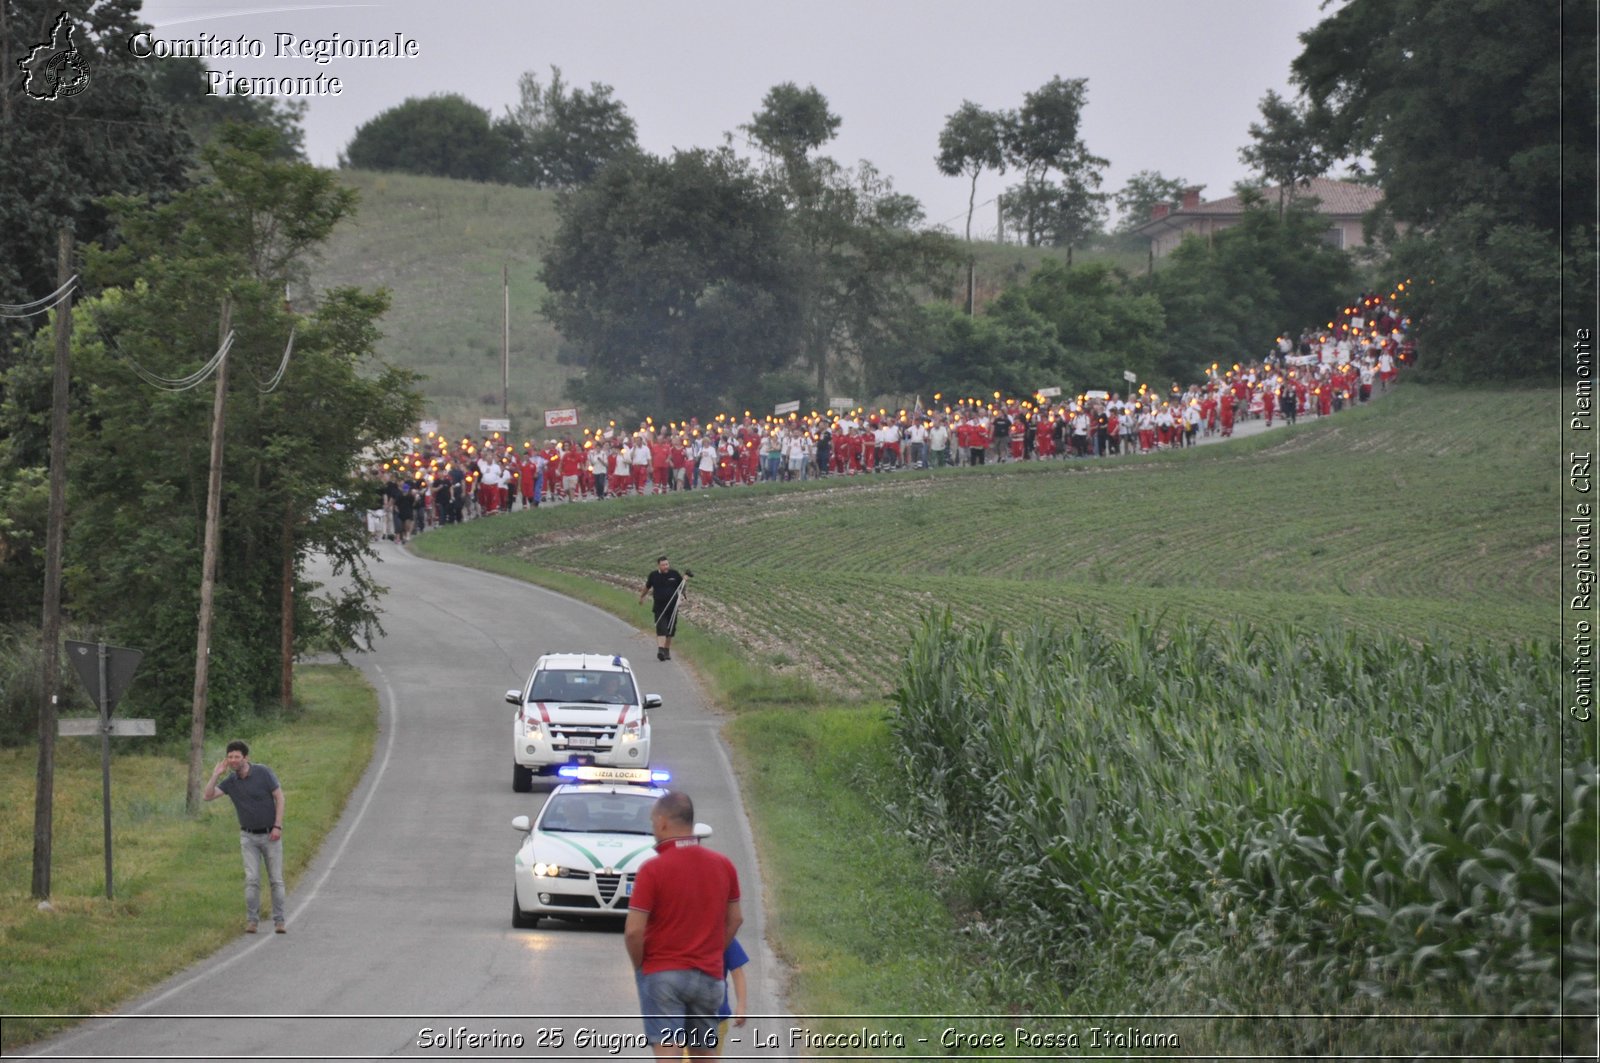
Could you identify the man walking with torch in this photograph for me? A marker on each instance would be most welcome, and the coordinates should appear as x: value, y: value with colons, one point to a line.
x: 667, y: 584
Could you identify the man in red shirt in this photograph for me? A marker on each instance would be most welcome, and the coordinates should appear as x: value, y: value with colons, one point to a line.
x: 682, y: 913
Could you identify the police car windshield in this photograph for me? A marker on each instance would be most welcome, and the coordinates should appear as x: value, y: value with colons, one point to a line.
x: 597, y: 813
x: 584, y: 686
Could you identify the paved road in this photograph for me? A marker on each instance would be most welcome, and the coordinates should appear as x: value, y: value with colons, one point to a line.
x: 406, y: 911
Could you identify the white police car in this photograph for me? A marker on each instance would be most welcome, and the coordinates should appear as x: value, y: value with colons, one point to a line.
x: 578, y: 708
x: 582, y: 854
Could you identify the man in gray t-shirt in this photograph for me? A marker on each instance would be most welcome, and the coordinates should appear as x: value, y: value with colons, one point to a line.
x: 258, y: 801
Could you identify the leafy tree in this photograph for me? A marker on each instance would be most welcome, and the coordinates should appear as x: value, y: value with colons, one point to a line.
x: 562, y: 137
x: 1144, y: 191
x: 1479, y: 120
x: 1103, y: 325
x: 179, y: 82
x: 1043, y: 139
x: 1009, y: 347
x: 973, y: 140
x: 1229, y: 297
x: 140, y: 454
x: 1286, y: 148
x: 792, y: 123
x: 671, y: 276
x: 441, y: 135
x: 58, y: 156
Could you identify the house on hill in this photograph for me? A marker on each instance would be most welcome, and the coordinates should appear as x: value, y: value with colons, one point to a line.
x: 1342, y: 203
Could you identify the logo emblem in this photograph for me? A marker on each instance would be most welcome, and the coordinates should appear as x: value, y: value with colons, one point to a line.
x: 56, y: 69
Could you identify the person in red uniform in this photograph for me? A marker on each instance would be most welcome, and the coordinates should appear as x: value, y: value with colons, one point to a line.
x: 683, y: 912
x: 571, y: 467
x: 660, y: 462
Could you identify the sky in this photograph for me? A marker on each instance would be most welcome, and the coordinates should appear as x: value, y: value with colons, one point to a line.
x: 1173, y: 85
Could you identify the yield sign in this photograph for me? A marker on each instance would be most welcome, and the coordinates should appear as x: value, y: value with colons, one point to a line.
x: 120, y: 666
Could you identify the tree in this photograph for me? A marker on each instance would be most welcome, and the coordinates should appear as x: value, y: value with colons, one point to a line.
x: 1044, y: 138
x: 57, y: 156
x: 1232, y: 295
x: 1102, y: 325
x: 672, y: 278
x: 441, y: 135
x: 179, y: 83
x: 1286, y: 148
x: 138, y: 474
x: 972, y: 141
x: 1144, y: 191
x: 1479, y: 120
x: 562, y: 137
x: 792, y: 123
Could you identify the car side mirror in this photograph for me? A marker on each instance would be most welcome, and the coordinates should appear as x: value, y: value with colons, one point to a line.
x: 514, y: 697
x: 652, y: 701
x: 521, y: 823
x: 702, y: 830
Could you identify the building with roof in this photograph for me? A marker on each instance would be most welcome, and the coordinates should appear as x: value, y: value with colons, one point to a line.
x: 1342, y: 203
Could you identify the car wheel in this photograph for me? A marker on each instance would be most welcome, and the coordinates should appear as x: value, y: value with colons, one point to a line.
x: 519, y: 918
x: 521, y: 778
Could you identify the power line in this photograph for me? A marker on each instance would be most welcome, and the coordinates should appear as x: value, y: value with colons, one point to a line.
x: 38, y: 306
x: 277, y: 377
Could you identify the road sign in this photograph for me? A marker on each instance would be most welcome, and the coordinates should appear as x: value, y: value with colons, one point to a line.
x: 81, y: 726
x: 120, y: 665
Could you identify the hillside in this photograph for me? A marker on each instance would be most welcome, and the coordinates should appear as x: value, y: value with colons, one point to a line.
x: 1405, y: 517
x: 439, y: 246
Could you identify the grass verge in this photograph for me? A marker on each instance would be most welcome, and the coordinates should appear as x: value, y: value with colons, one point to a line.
x: 177, y: 878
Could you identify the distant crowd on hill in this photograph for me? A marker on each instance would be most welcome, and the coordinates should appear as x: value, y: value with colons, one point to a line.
x: 1316, y: 375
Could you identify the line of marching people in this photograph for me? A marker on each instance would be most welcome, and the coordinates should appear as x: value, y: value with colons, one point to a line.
x: 1316, y: 375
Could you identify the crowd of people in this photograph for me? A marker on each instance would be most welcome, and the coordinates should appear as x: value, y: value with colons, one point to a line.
x: 1314, y: 375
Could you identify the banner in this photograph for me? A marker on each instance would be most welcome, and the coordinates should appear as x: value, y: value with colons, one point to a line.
x: 1301, y: 359
x: 494, y: 424
x: 560, y: 418
x: 1130, y: 376
x: 1097, y: 394
x: 428, y: 428
x: 841, y: 404
x: 1048, y: 393
x: 786, y: 407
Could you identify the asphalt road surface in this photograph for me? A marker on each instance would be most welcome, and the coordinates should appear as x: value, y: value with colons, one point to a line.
x: 400, y: 940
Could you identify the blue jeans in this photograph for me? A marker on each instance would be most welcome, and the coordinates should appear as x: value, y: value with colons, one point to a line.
x: 680, y: 1008
x: 254, y: 848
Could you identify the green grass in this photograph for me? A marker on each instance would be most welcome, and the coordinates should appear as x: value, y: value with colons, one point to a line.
x: 178, y: 882
x: 1404, y: 520
x: 1406, y: 517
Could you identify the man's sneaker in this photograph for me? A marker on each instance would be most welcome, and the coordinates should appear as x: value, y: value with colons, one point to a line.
x: 666, y: 655
x: 661, y: 654
x: 279, y: 928
x: 249, y: 928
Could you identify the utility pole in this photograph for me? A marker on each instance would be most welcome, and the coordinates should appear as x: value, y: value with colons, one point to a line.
x: 505, y: 343
x: 55, y: 541
x: 208, y: 570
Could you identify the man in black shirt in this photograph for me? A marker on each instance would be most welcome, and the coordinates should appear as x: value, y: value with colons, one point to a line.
x: 258, y: 800
x: 667, y: 585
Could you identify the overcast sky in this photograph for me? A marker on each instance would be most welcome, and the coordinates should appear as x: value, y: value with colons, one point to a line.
x: 1173, y: 84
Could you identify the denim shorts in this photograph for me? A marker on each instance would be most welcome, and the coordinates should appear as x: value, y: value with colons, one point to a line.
x: 680, y: 1008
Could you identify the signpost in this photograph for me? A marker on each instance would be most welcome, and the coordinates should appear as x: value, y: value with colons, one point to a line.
x: 1130, y: 376
x: 106, y: 672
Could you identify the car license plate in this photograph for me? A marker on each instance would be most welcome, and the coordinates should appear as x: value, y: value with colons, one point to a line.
x: 627, y: 888
x: 586, y: 742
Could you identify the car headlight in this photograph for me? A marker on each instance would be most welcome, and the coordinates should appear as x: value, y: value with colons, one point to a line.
x: 544, y: 870
x: 633, y: 731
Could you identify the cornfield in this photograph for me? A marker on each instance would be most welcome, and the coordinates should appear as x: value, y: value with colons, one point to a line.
x: 1266, y: 820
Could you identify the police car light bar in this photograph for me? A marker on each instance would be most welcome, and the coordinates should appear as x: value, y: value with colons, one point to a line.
x: 593, y: 773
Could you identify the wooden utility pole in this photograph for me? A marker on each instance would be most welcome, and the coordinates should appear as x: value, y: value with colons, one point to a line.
x: 286, y: 606
x: 505, y: 343
x: 208, y: 569
x: 55, y: 541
